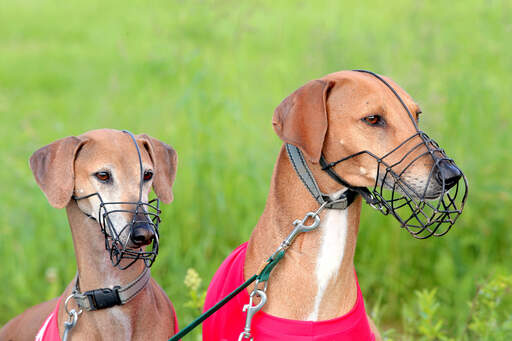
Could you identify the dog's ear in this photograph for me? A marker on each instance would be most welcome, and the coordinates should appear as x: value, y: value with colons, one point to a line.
x: 53, y: 167
x: 165, y: 161
x: 301, y: 118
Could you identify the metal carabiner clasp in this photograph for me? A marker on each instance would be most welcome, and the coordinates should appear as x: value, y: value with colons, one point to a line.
x: 70, y: 324
x: 251, y: 310
x: 301, y: 226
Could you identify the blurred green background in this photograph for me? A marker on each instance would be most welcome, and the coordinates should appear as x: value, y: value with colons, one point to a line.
x: 205, y: 77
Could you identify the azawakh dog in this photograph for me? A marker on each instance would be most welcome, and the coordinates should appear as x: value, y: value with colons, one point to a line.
x: 104, y: 185
x: 313, y: 294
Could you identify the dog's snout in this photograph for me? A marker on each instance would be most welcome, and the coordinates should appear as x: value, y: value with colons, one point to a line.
x: 142, y: 233
x: 448, y: 173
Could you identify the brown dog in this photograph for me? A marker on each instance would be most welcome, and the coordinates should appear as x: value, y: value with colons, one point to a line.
x: 336, y: 116
x: 105, y: 162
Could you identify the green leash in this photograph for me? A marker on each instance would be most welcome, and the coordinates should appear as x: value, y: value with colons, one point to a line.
x: 261, y: 277
x: 210, y: 311
x: 299, y: 227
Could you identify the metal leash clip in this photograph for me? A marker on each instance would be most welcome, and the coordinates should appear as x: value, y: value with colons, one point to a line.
x: 72, y: 318
x: 251, y: 310
x: 300, y: 226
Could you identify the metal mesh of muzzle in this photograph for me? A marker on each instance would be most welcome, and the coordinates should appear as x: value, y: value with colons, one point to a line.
x: 427, y: 210
x: 147, y: 213
x: 423, y: 211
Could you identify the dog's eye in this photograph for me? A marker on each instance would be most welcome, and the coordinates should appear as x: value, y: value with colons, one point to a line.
x: 103, y: 176
x: 148, y: 175
x: 373, y: 120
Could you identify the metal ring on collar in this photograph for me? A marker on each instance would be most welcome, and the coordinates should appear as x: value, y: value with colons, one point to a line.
x: 72, y: 310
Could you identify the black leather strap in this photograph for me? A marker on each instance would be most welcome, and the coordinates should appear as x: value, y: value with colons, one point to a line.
x: 365, y: 193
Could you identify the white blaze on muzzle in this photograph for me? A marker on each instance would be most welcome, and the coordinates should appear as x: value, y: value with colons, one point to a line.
x: 138, y: 239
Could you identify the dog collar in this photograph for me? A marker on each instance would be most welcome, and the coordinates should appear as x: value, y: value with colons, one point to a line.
x: 103, y: 298
x: 301, y: 168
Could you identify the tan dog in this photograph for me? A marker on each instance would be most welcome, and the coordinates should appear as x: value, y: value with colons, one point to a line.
x: 337, y: 115
x: 106, y: 162
x: 369, y: 125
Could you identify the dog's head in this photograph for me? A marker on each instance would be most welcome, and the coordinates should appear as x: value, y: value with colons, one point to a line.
x: 356, y: 118
x: 106, y: 164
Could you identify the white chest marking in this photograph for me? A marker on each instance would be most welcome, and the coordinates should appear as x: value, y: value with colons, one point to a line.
x: 332, y: 247
x: 123, y: 325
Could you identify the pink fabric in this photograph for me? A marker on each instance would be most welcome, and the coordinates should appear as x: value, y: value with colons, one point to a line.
x: 49, y: 331
x: 176, y: 327
x: 228, y: 322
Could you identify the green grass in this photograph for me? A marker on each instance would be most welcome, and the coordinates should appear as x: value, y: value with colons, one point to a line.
x: 205, y: 77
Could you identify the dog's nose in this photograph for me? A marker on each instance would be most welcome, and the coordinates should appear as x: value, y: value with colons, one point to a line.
x: 142, y: 234
x: 448, y: 173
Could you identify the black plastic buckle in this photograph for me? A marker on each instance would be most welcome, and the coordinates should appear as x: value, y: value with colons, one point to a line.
x: 103, y: 298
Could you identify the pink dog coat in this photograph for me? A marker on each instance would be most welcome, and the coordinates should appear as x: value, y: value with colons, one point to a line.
x: 227, y: 323
x: 49, y: 331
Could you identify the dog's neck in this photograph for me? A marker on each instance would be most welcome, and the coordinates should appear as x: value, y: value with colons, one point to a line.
x: 316, y: 278
x: 95, y: 271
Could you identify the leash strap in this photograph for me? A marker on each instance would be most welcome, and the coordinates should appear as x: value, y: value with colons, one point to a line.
x: 301, y: 168
x: 106, y: 297
x: 261, y: 277
x: 212, y: 310
x: 304, y: 173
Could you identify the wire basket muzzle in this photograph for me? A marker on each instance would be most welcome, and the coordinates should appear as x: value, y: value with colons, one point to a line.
x: 118, y: 241
x: 425, y: 200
